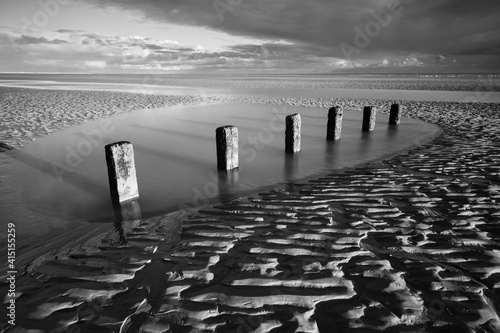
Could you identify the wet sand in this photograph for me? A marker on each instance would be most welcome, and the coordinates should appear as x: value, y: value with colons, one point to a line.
x: 251, y: 88
x: 407, y: 244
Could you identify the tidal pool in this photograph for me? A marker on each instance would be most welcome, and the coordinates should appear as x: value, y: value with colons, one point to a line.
x: 65, y: 174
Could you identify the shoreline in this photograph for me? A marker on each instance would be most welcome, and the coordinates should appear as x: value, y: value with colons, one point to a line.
x: 317, y: 204
x: 457, y: 82
x: 103, y: 104
x: 317, y: 92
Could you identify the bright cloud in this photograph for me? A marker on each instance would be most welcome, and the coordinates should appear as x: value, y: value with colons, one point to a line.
x: 292, y: 35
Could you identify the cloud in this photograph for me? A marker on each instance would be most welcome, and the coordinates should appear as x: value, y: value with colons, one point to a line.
x: 23, y: 40
x: 77, y: 50
x: 395, y: 28
x: 314, y: 35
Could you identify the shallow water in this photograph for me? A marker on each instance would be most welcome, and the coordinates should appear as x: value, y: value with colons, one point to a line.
x: 65, y: 175
x: 317, y: 92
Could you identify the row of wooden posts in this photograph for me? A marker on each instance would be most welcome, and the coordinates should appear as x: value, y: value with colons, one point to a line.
x: 120, y: 155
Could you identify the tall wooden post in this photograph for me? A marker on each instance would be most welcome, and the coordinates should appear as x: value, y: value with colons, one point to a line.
x: 395, y: 115
x: 227, y: 147
x: 334, y: 126
x: 121, y: 171
x: 292, y: 133
x: 369, y: 117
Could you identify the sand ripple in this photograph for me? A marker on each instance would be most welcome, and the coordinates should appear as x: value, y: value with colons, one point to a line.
x: 408, y: 244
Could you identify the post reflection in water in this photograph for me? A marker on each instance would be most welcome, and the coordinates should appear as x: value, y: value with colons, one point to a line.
x: 364, y: 143
x: 127, y: 210
x: 228, y: 182
x: 332, y: 152
x: 49, y: 175
x: 291, y: 165
x: 392, y: 130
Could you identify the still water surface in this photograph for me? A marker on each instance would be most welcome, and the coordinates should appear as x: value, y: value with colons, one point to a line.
x: 65, y: 175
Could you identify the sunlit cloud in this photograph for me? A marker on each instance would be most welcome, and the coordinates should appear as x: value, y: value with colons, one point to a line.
x: 292, y: 35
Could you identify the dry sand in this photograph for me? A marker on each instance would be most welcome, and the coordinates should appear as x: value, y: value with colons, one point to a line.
x: 408, y: 244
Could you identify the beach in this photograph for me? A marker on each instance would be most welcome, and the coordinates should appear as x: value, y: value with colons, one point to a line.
x: 409, y: 243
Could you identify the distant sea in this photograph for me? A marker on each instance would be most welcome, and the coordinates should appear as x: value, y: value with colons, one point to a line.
x: 396, y: 87
x: 140, y: 78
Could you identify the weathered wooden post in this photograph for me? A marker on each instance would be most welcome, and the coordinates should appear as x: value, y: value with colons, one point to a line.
x: 226, y: 138
x: 369, y: 117
x: 334, y: 125
x: 292, y: 133
x: 121, y: 171
x: 395, y: 115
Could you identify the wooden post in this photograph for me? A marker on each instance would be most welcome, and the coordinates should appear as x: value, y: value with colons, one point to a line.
x: 226, y: 138
x: 292, y: 133
x: 121, y: 171
x: 369, y: 117
x: 395, y: 115
x: 334, y: 126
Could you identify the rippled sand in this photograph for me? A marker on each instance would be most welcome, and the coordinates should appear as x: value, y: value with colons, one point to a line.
x: 408, y: 244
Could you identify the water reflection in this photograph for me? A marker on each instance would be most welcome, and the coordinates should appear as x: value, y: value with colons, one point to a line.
x: 176, y: 167
x: 171, y: 132
x: 332, y: 152
x: 292, y: 162
x: 127, y: 210
x: 365, y: 142
x: 229, y: 183
x: 57, y: 171
x: 392, y: 131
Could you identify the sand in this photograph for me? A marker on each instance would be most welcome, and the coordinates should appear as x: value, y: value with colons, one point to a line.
x: 443, y: 82
x: 486, y: 89
x: 407, y: 244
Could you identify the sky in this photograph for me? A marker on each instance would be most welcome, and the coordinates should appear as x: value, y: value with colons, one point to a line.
x: 250, y: 36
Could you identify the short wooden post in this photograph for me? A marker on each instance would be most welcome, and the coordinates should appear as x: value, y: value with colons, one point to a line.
x: 226, y: 138
x: 369, y: 117
x: 334, y: 126
x: 292, y: 133
x: 121, y: 171
x: 395, y: 115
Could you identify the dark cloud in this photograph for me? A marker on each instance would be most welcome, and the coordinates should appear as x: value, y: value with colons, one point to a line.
x: 439, y: 27
x: 312, y: 35
x: 63, y: 31
x: 24, y: 40
x: 153, y: 47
